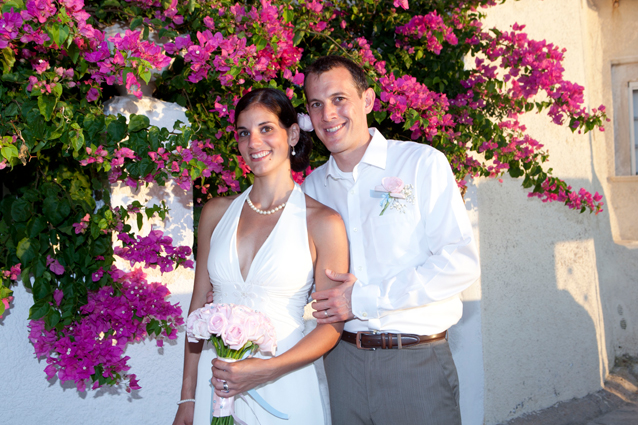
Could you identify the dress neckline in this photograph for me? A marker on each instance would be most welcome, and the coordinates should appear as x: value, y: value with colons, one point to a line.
x: 270, y: 235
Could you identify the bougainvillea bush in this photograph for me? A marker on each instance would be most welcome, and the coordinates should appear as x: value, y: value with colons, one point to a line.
x: 440, y: 77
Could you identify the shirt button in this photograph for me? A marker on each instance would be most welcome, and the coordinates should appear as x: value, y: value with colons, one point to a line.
x: 354, y: 229
x: 364, y: 314
x: 360, y: 268
x: 352, y: 192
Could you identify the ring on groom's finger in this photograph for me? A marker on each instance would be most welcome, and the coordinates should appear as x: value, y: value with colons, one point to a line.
x: 226, y: 387
x: 325, y: 312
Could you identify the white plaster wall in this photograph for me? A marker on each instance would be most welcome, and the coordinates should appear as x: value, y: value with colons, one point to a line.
x: 553, y: 281
x: 466, y: 339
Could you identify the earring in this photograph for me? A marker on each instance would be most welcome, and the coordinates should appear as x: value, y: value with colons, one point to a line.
x: 293, y: 151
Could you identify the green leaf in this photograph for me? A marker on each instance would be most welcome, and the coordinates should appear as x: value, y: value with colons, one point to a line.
x: 379, y: 116
x: 288, y: 15
x: 39, y: 310
x: 27, y: 250
x: 138, y: 122
x: 58, y: 33
x: 77, y: 139
x: 260, y: 42
x: 35, y: 226
x: 140, y: 221
x: 40, y: 288
x: 53, y: 318
x: 11, y: 110
x: 57, y: 90
x: 74, y: 52
x: 139, y: 20
x: 298, y: 36
x: 9, y: 152
x: 46, y: 104
x: 117, y: 129
x: 21, y: 210
x: 145, y: 73
x: 16, y: 5
x: 8, y: 59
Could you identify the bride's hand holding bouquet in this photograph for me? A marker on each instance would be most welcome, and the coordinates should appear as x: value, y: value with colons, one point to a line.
x: 236, y: 332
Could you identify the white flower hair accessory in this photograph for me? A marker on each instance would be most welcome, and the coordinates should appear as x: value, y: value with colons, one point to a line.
x: 304, y: 122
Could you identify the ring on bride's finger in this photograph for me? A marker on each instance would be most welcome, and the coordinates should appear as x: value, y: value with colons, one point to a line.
x: 226, y: 387
x: 325, y: 312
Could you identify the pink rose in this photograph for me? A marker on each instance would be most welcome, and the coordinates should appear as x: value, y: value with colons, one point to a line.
x: 238, y: 315
x: 217, y: 323
x: 196, y: 327
x: 234, y: 337
x: 392, y: 184
x: 255, y: 329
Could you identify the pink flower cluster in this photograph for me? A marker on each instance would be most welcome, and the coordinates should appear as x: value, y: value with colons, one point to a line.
x: 29, y: 26
x: 428, y: 29
x: 214, y: 52
x: 6, y: 304
x: 529, y: 67
x: 404, y: 93
x: 98, y: 155
x: 13, y: 273
x: 235, y: 324
x: 553, y: 190
x: 153, y: 250
x: 94, y: 346
x: 82, y: 225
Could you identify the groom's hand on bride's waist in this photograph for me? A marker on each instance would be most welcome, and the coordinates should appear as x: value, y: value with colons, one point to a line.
x: 335, y: 304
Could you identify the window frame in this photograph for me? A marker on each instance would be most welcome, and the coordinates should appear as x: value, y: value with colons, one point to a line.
x: 633, y: 87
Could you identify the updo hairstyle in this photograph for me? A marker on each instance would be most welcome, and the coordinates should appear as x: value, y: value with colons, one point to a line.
x: 277, y: 103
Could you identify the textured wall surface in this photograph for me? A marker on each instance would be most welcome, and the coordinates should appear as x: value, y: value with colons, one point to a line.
x: 559, y: 296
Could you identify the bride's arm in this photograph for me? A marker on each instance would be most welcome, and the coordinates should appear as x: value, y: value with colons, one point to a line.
x: 211, y: 214
x: 329, y: 246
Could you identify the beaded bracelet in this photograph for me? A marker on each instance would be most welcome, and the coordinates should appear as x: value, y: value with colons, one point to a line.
x: 186, y: 401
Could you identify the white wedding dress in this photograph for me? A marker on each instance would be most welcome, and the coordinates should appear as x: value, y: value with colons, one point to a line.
x: 277, y: 284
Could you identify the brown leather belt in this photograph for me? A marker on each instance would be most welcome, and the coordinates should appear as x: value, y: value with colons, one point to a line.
x: 372, y: 340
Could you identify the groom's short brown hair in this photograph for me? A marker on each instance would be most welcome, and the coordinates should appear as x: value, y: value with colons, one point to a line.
x: 326, y: 63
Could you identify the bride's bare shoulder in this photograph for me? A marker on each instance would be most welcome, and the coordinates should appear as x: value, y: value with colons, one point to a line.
x: 322, y: 218
x: 214, y: 210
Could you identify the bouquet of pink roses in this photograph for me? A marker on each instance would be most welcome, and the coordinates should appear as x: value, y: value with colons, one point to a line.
x: 236, y: 332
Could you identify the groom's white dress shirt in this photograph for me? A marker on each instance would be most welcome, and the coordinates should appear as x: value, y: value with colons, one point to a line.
x: 413, y: 261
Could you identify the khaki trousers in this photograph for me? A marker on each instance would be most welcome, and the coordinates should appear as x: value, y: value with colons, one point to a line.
x: 414, y: 385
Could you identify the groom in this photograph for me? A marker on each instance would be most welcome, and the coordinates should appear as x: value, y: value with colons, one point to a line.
x: 411, y: 250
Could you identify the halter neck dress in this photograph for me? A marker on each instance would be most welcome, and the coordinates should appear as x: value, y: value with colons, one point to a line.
x: 277, y: 284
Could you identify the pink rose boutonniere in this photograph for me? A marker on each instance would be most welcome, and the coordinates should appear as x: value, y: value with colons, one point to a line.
x: 394, y: 192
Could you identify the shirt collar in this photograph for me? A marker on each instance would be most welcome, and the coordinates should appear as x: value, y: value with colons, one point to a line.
x: 376, y: 155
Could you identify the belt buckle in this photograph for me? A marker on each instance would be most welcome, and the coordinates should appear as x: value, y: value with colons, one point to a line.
x: 358, y: 341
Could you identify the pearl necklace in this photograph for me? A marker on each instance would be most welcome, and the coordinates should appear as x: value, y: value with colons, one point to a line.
x: 257, y: 210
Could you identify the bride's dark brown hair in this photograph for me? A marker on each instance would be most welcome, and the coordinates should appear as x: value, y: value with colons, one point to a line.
x: 277, y: 103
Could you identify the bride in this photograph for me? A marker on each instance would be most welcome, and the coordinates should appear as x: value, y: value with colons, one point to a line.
x: 264, y: 248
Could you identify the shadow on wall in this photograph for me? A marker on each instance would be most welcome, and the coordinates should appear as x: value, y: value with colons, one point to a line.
x: 544, y: 337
